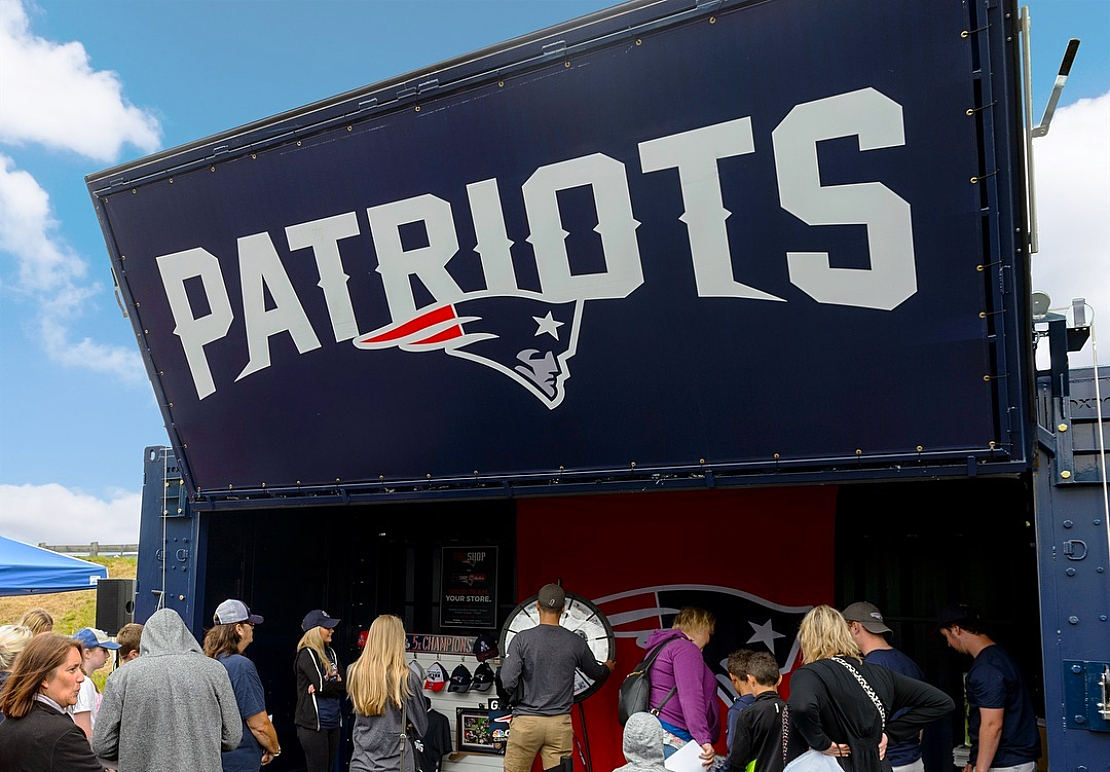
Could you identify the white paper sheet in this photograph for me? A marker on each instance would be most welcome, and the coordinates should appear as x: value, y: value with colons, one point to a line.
x: 686, y: 759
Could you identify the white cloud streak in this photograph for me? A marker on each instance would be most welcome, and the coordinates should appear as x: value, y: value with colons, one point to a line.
x: 52, y: 97
x: 1073, y: 198
x: 55, y: 514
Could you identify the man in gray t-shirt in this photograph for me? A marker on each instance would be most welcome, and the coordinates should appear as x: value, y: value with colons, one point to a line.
x: 539, y: 670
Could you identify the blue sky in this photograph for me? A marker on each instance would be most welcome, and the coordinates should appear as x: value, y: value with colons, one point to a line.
x: 86, y: 84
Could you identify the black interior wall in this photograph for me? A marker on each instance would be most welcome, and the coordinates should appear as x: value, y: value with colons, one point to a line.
x: 355, y: 562
x: 913, y: 547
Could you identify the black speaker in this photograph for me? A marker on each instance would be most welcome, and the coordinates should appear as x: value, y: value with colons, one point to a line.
x: 115, y: 604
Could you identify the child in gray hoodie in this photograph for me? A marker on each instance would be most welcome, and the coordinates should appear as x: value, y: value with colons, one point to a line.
x: 643, y: 744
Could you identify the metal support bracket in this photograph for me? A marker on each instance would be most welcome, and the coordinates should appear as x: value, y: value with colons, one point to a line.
x: 1087, y: 695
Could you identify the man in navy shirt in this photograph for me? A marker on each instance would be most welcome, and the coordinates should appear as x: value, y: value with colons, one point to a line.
x: 231, y: 634
x: 1001, y: 723
x: 866, y: 625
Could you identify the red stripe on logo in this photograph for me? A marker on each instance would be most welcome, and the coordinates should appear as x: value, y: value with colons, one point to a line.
x: 413, y: 326
x: 439, y: 337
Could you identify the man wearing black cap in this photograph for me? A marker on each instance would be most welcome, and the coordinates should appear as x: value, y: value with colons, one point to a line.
x: 1001, y: 723
x: 539, y: 672
x: 867, y: 628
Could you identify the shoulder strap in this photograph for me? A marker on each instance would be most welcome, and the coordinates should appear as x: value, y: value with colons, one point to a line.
x: 866, y: 688
x: 647, y: 664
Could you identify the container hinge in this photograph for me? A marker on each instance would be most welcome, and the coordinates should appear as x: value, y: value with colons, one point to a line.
x: 1104, y: 687
x: 558, y: 48
x: 405, y: 93
x: 221, y: 149
x: 368, y: 104
x: 708, y: 3
x: 428, y: 85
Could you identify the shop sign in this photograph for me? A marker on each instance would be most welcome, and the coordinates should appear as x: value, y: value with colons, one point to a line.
x: 469, y: 587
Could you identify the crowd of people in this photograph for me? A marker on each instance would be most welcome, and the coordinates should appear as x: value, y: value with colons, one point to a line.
x: 855, y: 699
x: 173, y: 703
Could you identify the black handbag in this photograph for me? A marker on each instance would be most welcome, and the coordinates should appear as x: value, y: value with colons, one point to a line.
x: 635, y: 696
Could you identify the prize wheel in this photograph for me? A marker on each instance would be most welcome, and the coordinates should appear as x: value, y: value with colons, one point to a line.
x: 582, y: 618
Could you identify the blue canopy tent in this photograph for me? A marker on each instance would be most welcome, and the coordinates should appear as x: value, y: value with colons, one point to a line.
x: 28, y: 570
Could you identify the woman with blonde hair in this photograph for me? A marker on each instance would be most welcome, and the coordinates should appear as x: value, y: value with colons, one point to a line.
x: 683, y: 688
x: 387, y: 696
x: 844, y: 707
x: 12, y: 640
x: 38, y: 619
x: 320, y: 692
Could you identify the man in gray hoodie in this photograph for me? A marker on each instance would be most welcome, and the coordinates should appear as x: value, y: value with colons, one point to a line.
x: 172, y: 709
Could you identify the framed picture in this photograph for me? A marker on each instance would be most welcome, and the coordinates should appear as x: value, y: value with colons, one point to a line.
x: 477, y: 732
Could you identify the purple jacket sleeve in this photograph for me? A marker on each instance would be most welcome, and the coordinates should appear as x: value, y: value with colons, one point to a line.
x: 689, y: 676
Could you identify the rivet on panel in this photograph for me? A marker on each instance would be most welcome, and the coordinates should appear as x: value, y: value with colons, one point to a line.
x: 639, y: 42
x: 1062, y: 427
x: 712, y: 19
x: 1065, y: 474
x: 566, y: 64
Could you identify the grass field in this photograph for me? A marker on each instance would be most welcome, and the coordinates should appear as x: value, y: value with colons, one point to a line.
x: 71, y: 610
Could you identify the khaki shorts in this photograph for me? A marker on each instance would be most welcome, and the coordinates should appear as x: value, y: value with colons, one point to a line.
x: 550, y: 736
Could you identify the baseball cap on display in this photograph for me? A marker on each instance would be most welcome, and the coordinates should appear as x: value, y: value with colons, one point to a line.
x: 233, y: 611
x: 868, y: 615
x: 483, y: 678
x: 317, y: 618
x: 552, y: 596
x: 417, y: 670
x: 90, y: 638
x: 460, y: 680
x: 485, y: 647
x: 435, y: 677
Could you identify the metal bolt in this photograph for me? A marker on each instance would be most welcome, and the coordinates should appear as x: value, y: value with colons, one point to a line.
x: 1062, y: 427
x: 1070, y: 572
x: 1066, y: 474
x: 1068, y: 523
x: 1076, y: 669
x: 1081, y: 720
x: 1073, y: 620
x: 1102, y: 618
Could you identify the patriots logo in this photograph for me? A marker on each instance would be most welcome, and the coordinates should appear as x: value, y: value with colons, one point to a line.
x: 743, y: 621
x: 524, y: 337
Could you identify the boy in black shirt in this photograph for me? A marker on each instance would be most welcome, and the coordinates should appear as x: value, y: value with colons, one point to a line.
x: 757, y: 740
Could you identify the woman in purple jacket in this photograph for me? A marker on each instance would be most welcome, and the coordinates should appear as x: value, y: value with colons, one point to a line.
x: 683, y: 689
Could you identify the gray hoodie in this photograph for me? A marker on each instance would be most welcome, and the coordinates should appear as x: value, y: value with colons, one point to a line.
x: 171, y: 709
x: 643, y: 744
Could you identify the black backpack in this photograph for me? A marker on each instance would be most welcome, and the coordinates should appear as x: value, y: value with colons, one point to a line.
x: 635, y: 694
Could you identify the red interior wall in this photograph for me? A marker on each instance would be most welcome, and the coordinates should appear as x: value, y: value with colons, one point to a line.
x: 776, y: 543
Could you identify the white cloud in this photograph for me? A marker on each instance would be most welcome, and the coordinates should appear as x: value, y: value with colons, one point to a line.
x: 55, y: 514
x: 52, y: 277
x: 1073, y: 198
x: 52, y: 96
